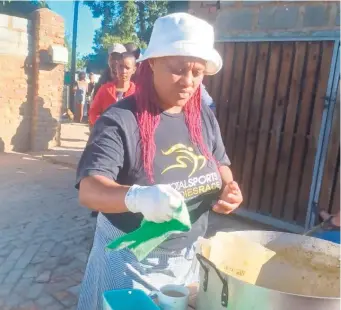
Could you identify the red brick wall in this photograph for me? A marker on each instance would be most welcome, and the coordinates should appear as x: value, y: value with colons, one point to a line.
x: 30, y: 88
x: 15, y: 83
x: 49, y: 81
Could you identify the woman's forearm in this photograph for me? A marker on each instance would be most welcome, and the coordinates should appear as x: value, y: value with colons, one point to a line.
x: 226, y: 175
x: 102, y: 194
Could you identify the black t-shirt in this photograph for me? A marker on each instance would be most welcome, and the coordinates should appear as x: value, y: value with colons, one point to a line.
x: 113, y: 151
x: 91, y: 87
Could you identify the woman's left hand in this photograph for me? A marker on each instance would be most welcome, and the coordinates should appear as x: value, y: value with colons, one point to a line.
x: 229, y: 200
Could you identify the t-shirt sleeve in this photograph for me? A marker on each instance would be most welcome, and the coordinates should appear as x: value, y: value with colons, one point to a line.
x: 219, y: 150
x: 104, y: 153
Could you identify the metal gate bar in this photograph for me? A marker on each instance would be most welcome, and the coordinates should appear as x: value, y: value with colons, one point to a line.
x: 322, y: 148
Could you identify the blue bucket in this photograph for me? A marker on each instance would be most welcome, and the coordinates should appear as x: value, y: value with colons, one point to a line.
x: 128, y: 300
x: 329, y: 235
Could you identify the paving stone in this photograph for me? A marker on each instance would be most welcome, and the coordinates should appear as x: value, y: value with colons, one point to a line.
x: 9, y: 238
x: 5, y: 289
x: 38, y: 241
x: 34, y: 290
x: 2, y: 277
x: 6, y: 267
x: 58, y: 238
x: 13, y: 300
x: 15, y: 254
x: 39, y: 258
x: 45, y: 301
x: 80, y: 239
x: 5, y: 252
x: 68, y: 269
x: 3, y: 245
x: 19, y: 244
x: 58, y: 284
x: 26, y: 236
x: 83, y: 257
x: 47, y: 246
x: 55, y: 307
x: 67, y: 242
x: 30, y: 305
x: 50, y: 263
x: 77, y: 276
x: 66, y: 298
x: 31, y: 271
x: 22, y: 286
x: 27, y: 256
x: 11, y: 260
x: 44, y: 277
x: 75, y: 248
x: 75, y: 290
x: 82, y: 222
x: 58, y: 250
x: 13, y: 276
x: 66, y: 260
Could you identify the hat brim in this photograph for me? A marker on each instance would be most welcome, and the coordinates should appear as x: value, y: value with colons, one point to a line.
x: 213, y: 60
x: 115, y: 52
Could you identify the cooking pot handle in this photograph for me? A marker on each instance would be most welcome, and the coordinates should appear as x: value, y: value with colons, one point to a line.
x: 225, y: 292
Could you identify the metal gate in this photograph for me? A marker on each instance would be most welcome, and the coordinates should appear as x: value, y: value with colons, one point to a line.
x: 274, y: 101
x: 325, y: 187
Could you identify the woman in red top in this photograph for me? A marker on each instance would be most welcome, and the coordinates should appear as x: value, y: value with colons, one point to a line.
x: 114, y: 91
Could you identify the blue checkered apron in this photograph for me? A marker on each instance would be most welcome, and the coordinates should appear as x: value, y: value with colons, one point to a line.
x: 112, y: 270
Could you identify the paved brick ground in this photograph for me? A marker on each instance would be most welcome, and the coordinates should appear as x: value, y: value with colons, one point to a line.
x: 45, y: 235
x: 73, y: 139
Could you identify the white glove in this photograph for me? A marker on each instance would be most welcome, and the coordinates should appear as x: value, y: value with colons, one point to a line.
x: 157, y: 203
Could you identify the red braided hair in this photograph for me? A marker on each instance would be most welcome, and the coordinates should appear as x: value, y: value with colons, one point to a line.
x: 148, y: 118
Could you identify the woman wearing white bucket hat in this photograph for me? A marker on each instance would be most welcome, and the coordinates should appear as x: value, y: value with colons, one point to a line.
x: 161, y: 135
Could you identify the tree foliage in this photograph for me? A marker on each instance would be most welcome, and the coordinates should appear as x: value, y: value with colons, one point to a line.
x: 122, y: 22
x: 21, y: 8
x: 149, y: 11
x: 69, y: 49
x: 81, y: 62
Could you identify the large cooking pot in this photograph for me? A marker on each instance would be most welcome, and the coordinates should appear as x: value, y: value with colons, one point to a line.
x: 280, y: 286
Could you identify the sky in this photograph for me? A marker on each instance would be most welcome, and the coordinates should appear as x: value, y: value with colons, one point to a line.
x: 86, y: 23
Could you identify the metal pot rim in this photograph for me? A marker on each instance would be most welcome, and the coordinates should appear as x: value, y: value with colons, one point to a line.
x: 269, y: 232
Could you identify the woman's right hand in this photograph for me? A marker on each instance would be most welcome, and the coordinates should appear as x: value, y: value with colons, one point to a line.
x: 157, y: 203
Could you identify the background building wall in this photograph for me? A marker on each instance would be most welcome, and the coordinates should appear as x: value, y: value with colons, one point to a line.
x: 31, y: 90
x: 235, y: 18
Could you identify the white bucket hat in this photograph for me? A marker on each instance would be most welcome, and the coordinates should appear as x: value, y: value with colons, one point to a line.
x: 182, y: 34
x: 117, y: 48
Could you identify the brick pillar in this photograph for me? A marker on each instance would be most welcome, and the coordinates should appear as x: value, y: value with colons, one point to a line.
x: 48, y: 81
x: 15, y: 83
